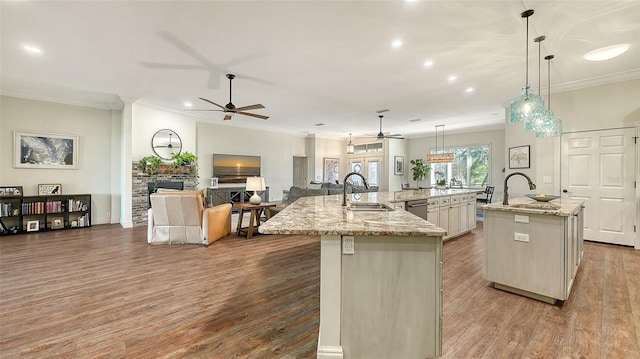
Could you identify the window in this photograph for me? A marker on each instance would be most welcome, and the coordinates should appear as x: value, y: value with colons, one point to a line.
x: 470, y: 165
x: 368, y: 147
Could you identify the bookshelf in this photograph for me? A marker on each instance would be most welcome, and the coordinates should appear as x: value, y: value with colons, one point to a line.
x: 26, y: 214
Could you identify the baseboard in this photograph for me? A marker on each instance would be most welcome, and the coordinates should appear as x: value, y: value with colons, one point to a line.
x: 325, y: 352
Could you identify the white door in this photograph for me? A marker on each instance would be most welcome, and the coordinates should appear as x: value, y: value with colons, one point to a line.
x: 370, y: 168
x: 598, y: 167
x: 300, y: 172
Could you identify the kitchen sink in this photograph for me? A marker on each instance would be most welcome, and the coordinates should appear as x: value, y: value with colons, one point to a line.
x: 371, y: 207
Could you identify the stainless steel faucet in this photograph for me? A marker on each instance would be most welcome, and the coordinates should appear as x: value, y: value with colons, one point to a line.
x: 532, y: 186
x: 344, y: 186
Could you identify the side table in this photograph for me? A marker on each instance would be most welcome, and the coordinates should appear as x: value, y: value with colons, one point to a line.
x: 254, y: 219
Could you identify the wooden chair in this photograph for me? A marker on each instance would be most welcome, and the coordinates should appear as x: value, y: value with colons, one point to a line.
x: 488, y: 192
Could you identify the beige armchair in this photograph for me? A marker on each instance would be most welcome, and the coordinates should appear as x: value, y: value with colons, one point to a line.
x: 180, y: 217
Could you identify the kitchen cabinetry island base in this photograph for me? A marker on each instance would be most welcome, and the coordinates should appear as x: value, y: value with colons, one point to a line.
x: 524, y: 293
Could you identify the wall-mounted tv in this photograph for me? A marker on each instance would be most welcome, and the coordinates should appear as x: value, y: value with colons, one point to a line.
x: 235, y: 168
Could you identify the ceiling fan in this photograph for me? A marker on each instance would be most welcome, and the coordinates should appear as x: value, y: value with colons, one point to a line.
x: 380, y: 136
x: 230, y: 109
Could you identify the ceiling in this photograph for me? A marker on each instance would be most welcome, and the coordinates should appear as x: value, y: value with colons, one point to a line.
x: 313, y: 62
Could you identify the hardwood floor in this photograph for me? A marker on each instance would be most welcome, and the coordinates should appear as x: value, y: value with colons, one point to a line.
x: 102, y: 292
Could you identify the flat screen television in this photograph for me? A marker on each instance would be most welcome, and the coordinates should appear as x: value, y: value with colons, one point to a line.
x: 235, y: 168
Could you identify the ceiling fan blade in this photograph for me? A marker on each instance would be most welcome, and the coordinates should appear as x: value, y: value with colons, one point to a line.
x: 211, y: 102
x: 395, y: 137
x: 227, y: 117
x: 197, y: 109
x: 253, y: 115
x: 252, y: 107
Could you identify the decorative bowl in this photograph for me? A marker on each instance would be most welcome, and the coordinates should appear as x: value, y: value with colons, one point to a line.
x: 542, y: 197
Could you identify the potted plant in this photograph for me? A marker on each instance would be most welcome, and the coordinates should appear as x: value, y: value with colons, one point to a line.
x: 420, y: 170
x: 441, y: 181
x: 185, y: 162
x: 150, y: 164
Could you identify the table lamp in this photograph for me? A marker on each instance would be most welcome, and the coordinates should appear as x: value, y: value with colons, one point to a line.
x: 255, y: 184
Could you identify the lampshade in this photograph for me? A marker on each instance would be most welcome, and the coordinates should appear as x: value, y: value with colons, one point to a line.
x: 255, y: 184
x: 548, y: 124
x: 527, y: 104
x: 350, y: 147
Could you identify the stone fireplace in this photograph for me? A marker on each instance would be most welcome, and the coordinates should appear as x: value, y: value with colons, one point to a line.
x: 141, y: 182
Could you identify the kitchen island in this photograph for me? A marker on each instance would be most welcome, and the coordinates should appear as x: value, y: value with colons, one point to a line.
x: 533, y: 248
x: 380, y: 276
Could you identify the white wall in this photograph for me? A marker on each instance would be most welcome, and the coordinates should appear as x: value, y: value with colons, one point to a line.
x: 391, y: 181
x: 148, y: 120
x: 94, y: 130
x: 420, y: 147
x: 276, y: 151
x: 330, y: 148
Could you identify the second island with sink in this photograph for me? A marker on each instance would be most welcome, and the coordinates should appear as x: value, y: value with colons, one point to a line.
x: 533, y: 248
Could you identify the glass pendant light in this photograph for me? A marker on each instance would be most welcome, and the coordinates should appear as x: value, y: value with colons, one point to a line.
x: 350, y: 147
x: 528, y: 103
x: 534, y: 122
x: 550, y: 126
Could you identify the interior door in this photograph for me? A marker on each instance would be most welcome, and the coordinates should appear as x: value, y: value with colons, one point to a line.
x: 300, y: 172
x: 598, y: 167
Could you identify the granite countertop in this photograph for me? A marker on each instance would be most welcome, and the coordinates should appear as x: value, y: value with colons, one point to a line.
x: 412, y: 195
x: 563, y: 207
x: 324, y: 215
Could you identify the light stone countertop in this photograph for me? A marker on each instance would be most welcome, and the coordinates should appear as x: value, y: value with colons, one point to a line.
x: 563, y: 207
x: 324, y: 215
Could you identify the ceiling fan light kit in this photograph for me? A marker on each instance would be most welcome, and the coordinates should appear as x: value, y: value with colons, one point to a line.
x: 527, y: 104
x: 442, y: 157
x: 381, y: 136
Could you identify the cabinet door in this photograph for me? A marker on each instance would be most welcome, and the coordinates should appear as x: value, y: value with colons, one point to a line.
x: 464, y: 217
x: 443, y: 220
x: 432, y: 216
x: 454, y: 220
x: 471, y: 213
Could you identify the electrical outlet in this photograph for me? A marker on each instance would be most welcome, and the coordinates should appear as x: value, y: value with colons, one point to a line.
x: 348, y: 245
x: 521, y: 237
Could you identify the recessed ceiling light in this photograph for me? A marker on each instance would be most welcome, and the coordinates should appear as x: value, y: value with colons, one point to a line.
x: 606, y: 53
x: 428, y: 63
x: 396, y: 43
x: 187, y: 104
x: 469, y: 89
x: 32, y: 49
x: 452, y: 78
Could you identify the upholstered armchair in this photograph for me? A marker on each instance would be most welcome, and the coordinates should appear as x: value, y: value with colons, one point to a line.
x: 180, y: 217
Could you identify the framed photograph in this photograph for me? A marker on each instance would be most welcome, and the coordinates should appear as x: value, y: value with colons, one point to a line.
x: 331, y: 169
x: 44, y: 150
x: 33, y: 226
x: 519, y: 156
x: 398, y: 169
x: 57, y: 222
x: 11, y: 191
x: 49, y: 189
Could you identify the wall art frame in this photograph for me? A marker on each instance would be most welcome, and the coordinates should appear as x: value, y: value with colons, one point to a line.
x: 398, y: 168
x: 331, y: 169
x: 57, y: 222
x: 33, y: 226
x: 49, y: 189
x: 45, y: 150
x: 520, y: 157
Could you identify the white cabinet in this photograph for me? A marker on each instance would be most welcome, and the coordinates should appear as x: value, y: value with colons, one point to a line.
x: 464, y: 213
x: 471, y: 211
x: 433, y: 211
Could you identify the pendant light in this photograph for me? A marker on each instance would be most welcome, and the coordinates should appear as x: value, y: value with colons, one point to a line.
x: 350, y: 147
x: 551, y: 126
x: 528, y: 103
x: 534, y: 122
x: 442, y: 157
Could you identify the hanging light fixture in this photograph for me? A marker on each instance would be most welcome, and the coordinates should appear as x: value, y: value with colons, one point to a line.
x: 440, y: 157
x: 534, y: 122
x: 551, y: 126
x: 350, y: 147
x: 528, y: 103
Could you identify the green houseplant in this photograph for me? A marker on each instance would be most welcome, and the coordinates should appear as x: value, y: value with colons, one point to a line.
x: 185, y: 162
x: 420, y: 170
x: 150, y: 164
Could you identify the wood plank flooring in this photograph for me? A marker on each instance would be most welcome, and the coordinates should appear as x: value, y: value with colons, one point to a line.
x: 102, y: 292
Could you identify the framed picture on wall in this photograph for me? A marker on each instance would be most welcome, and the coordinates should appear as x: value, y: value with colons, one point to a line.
x: 331, y: 169
x: 398, y: 169
x: 49, y: 189
x: 519, y: 157
x: 45, y: 150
